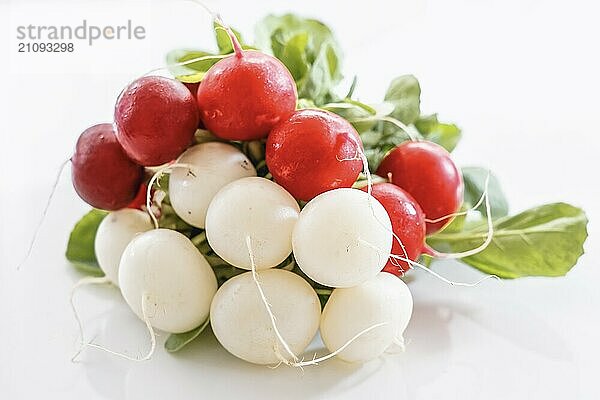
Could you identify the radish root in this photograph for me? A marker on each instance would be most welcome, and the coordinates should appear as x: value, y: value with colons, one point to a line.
x: 36, y: 232
x: 149, y: 327
x: 413, y: 264
x: 316, y: 361
x: 490, y: 228
x: 83, y: 282
x: 162, y: 170
x: 296, y: 362
x: 255, y: 277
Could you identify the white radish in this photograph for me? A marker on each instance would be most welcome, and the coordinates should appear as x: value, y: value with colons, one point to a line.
x: 165, y: 279
x: 213, y: 165
x: 256, y: 208
x: 383, y: 299
x: 342, y: 238
x: 114, y: 233
x: 242, y: 325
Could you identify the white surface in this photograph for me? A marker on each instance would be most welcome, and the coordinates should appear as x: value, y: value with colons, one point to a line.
x: 520, y: 77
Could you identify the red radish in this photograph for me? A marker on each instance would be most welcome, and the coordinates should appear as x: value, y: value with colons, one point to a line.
x: 408, y: 224
x: 156, y: 119
x: 312, y: 152
x: 243, y: 96
x: 426, y: 171
x: 102, y: 174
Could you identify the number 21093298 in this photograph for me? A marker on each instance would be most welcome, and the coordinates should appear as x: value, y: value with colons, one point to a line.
x: 36, y: 47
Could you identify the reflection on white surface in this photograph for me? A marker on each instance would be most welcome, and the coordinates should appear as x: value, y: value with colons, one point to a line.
x: 461, y: 343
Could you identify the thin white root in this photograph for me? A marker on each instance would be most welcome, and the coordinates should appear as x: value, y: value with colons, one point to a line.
x: 399, y: 341
x: 490, y: 230
x: 186, y: 62
x: 217, y: 18
x: 162, y: 170
x: 88, y: 280
x: 459, y: 213
x: 478, y: 249
x: 413, y: 264
x: 430, y: 271
x: 316, y: 361
x: 266, y: 303
x: 369, y: 177
x: 38, y: 227
x: 213, y: 14
x: 397, y: 346
x: 151, y: 332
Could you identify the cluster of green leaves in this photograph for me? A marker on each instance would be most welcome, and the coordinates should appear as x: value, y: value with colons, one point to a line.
x: 542, y: 241
x: 197, y: 62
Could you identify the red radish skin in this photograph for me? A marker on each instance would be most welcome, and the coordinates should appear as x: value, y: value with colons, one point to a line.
x: 139, y: 201
x: 243, y: 96
x: 102, y: 174
x: 312, y: 152
x: 426, y: 171
x: 193, y: 88
x: 408, y: 224
x: 156, y: 119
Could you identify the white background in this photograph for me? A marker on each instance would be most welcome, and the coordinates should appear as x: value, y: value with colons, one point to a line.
x: 520, y: 78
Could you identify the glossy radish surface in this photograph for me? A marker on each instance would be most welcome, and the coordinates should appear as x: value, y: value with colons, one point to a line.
x: 426, y: 171
x: 156, y: 119
x: 240, y: 321
x: 102, y: 174
x: 256, y: 208
x: 214, y: 165
x: 383, y: 299
x: 164, y: 272
x: 313, y: 151
x: 408, y: 224
x: 115, y: 232
x: 342, y: 238
x: 243, y: 96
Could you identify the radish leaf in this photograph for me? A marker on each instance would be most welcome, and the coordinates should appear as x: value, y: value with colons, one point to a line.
x: 474, y: 179
x: 542, y: 241
x: 80, y: 248
x: 405, y: 93
x: 177, y: 341
x: 446, y: 135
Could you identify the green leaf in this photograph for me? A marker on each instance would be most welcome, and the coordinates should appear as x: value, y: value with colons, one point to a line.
x: 542, y: 241
x: 289, y: 25
x: 80, y: 248
x: 91, y: 269
x: 223, y: 39
x: 376, y: 155
x: 193, y: 72
x: 321, y: 79
x: 405, y: 93
x: 474, y: 180
x: 446, y: 135
x: 177, y: 341
x: 292, y: 53
x: 305, y: 103
x: 308, y: 49
x: 354, y: 110
x: 458, y: 223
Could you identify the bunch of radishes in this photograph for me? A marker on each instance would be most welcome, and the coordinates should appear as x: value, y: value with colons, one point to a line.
x: 299, y: 221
